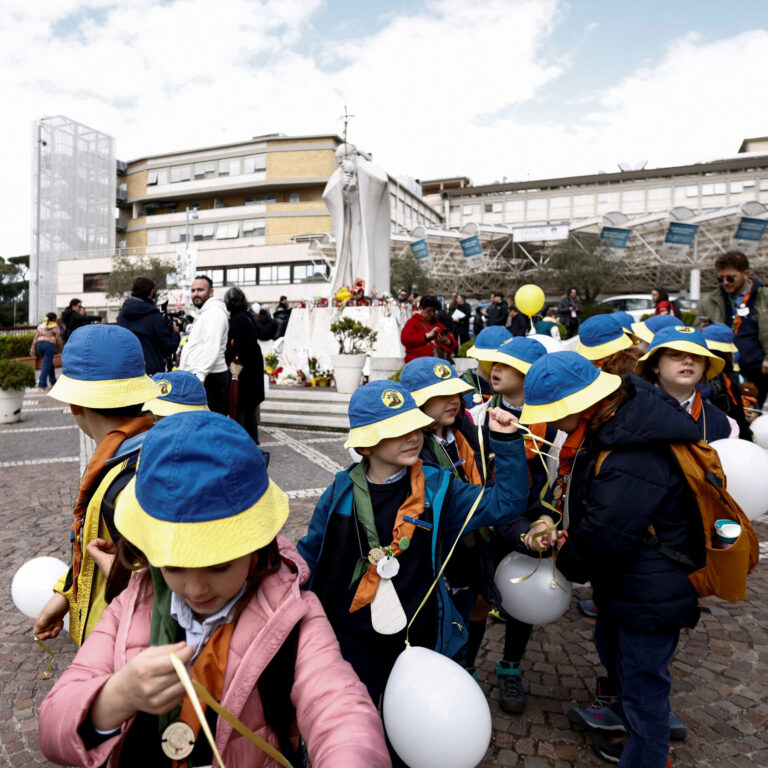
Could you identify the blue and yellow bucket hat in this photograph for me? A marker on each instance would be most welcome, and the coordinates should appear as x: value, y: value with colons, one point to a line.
x: 180, y: 391
x: 382, y: 409
x: 625, y: 321
x: 102, y: 366
x: 683, y: 338
x: 563, y: 384
x: 601, y: 336
x: 645, y: 330
x: 519, y: 353
x: 427, y: 377
x: 720, y: 338
x: 488, y: 341
x: 201, y: 495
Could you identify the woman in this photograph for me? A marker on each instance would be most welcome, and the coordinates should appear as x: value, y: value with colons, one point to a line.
x: 46, y: 343
x: 662, y: 303
x: 243, y: 349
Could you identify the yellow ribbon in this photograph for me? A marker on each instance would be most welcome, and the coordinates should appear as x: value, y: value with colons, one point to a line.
x: 49, y: 669
x: 195, y: 690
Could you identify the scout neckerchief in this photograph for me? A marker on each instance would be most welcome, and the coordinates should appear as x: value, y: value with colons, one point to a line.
x: 532, y: 448
x: 737, y: 318
x: 105, y: 450
x: 402, y: 531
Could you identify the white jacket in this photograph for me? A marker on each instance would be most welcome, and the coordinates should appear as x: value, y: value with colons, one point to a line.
x: 204, y: 351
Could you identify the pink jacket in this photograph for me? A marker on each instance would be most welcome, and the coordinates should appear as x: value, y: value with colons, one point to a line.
x: 335, y: 714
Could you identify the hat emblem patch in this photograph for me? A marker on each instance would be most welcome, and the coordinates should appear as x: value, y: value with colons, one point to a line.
x: 442, y: 371
x: 165, y: 387
x: 683, y: 329
x: 392, y: 398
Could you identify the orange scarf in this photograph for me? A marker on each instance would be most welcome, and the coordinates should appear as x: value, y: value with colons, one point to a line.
x: 413, y: 506
x: 471, y: 470
x: 105, y: 450
x: 537, y: 430
x: 697, y: 405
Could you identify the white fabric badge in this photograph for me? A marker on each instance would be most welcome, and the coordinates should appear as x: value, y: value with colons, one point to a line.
x: 387, y: 614
x: 388, y: 567
x: 742, y: 311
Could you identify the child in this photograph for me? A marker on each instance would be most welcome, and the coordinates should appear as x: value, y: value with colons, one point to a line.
x: 604, y: 343
x: 390, y: 515
x: 643, y: 597
x: 486, y: 342
x: 46, y: 343
x: 104, y: 382
x: 218, y: 587
x: 625, y: 321
x: 677, y: 361
x: 645, y: 330
x: 547, y: 326
x: 180, y: 392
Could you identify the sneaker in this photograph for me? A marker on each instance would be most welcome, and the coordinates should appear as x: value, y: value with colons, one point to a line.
x: 598, y: 716
x: 511, y: 693
x: 608, y: 748
x: 587, y: 608
x: 677, y: 731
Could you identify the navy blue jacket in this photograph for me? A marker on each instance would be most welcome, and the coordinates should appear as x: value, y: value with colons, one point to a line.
x: 639, y: 484
x: 142, y: 318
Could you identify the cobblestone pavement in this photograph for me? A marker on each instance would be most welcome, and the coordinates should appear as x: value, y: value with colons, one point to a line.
x: 720, y: 686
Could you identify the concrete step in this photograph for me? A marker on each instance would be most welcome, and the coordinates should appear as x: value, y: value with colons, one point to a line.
x: 307, y: 394
x: 305, y: 407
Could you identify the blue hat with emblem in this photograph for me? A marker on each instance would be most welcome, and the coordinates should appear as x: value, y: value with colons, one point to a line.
x: 382, y: 409
x: 719, y: 337
x: 180, y: 391
x: 488, y: 341
x: 601, y: 336
x: 645, y: 330
x: 682, y: 338
x: 625, y: 320
x: 102, y: 366
x: 563, y: 384
x: 201, y: 494
x: 427, y: 377
x: 519, y: 352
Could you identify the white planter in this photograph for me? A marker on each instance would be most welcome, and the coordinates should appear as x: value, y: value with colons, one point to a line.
x: 462, y: 364
x: 10, y: 405
x: 347, y: 370
x: 383, y: 367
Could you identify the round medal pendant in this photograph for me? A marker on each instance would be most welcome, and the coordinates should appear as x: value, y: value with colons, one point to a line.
x: 404, y: 543
x: 376, y: 554
x: 178, y: 741
x: 557, y: 493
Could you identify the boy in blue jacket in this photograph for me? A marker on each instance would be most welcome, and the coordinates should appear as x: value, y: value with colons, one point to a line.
x: 382, y: 530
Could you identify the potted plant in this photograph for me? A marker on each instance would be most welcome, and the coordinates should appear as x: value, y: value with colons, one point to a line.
x: 355, y: 341
x: 14, y: 378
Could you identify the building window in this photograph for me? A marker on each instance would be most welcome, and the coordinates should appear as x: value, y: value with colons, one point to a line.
x: 205, y: 170
x: 217, y: 203
x: 181, y: 173
x: 253, y: 228
x: 713, y: 189
x: 763, y: 185
x: 157, y: 236
x: 228, y: 230
x: 294, y: 197
x: 254, y: 163
x: 310, y: 273
x: 157, y: 177
x: 736, y: 187
x: 248, y: 276
x: 202, y: 232
x: 95, y: 283
x: 178, y: 234
x: 260, y: 199
x: 275, y: 274
x: 659, y: 193
x: 229, y: 167
x: 537, y: 204
x: 632, y: 196
x: 469, y: 210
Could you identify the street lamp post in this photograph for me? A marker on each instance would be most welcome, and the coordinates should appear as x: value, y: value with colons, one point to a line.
x: 40, y: 144
x: 187, y: 284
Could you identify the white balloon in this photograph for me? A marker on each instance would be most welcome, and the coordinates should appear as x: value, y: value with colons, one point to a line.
x: 759, y: 429
x: 540, y: 599
x: 32, y: 585
x: 435, y: 713
x: 551, y: 344
x: 746, y: 472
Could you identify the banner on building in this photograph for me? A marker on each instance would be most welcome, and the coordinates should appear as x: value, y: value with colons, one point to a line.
x: 540, y: 233
x: 678, y: 240
x: 614, y: 242
x: 473, y: 252
x: 421, y: 252
x: 748, y: 235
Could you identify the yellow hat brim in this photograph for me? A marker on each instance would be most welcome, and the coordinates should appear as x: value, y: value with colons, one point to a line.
x: 161, y: 407
x: 450, y: 386
x: 513, y: 362
x: 484, y: 355
x: 601, y: 387
x: 642, y: 332
x: 715, y: 366
x: 199, y: 545
x: 722, y: 346
x: 112, y: 393
x: 600, y: 351
x: 394, y: 426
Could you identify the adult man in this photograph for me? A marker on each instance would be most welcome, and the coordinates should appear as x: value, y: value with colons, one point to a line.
x: 203, y: 354
x: 142, y: 318
x: 402, y: 296
x: 568, y: 311
x: 461, y: 313
x: 282, y: 314
x: 74, y: 317
x: 423, y: 335
x: 498, y: 312
x: 741, y: 302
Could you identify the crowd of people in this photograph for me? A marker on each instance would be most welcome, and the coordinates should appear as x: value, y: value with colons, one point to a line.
x: 176, y: 552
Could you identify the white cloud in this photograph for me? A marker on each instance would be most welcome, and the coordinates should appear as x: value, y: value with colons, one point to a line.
x: 162, y: 76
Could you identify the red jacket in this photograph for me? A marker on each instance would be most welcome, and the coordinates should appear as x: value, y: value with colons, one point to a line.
x: 414, y: 338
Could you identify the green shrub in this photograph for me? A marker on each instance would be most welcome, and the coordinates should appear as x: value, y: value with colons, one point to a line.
x: 16, y: 375
x: 462, y: 351
x: 15, y: 345
x: 688, y: 316
x: 396, y: 375
x: 353, y: 337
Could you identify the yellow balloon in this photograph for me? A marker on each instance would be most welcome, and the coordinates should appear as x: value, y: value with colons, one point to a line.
x: 529, y: 299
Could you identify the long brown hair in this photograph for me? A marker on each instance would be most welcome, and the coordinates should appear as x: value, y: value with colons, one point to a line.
x: 622, y: 363
x: 608, y: 406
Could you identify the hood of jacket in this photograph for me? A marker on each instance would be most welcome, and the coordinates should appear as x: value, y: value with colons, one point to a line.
x: 649, y: 415
x: 133, y: 308
x: 213, y: 304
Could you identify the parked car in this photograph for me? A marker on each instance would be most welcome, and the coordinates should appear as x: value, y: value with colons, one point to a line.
x: 639, y: 304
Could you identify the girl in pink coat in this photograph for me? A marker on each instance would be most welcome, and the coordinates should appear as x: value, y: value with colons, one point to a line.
x: 216, y: 586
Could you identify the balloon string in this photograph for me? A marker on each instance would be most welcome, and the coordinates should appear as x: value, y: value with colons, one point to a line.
x: 754, y: 410
x: 49, y: 669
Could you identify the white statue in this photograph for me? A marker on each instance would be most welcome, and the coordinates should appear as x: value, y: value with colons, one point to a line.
x: 357, y: 196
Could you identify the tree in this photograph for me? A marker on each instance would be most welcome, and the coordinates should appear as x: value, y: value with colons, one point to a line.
x: 580, y: 264
x: 126, y: 268
x: 14, y: 290
x: 406, y: 272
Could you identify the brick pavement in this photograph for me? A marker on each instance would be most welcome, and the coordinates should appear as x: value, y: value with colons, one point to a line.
x: 720, y: 687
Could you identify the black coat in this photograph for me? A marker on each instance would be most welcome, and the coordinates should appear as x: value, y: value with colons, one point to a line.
x: 498, y: 314
x: 519, y: 325
x: 72, y: 320
x: 142, y: 318
x: 243, y: 341
x: 639, y: 484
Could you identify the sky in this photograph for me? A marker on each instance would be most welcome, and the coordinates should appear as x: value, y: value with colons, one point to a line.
x: 515, y: 89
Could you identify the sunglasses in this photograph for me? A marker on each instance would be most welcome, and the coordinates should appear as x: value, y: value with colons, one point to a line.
x: 726, y: 278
